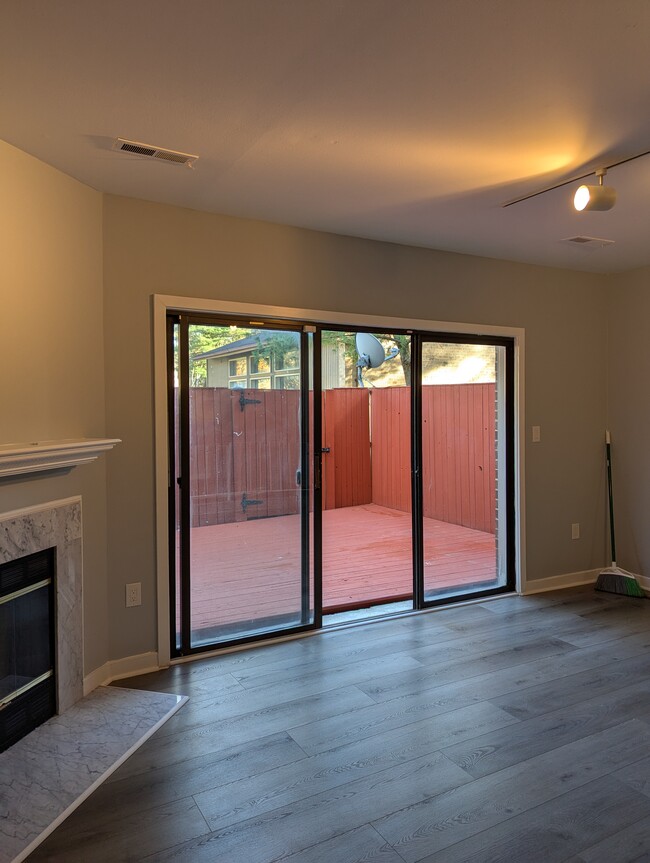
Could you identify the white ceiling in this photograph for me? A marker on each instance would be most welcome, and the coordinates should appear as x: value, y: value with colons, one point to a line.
x: 403, y: 120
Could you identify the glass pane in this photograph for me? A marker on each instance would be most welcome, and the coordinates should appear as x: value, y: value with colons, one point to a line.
x: 463, y: 420
x: 287, y: 382
x: 366, y: 474
x: 237, y: 367
x: 287, y: 359
x: 245, y: 487
x: 259, y: 364
x: 26, y: 639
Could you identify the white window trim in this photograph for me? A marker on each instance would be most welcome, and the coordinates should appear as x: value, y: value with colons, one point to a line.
x: 162, y: 304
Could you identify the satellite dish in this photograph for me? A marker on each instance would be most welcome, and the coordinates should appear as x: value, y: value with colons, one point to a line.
x: 370, y: 350
x: 371, y: 354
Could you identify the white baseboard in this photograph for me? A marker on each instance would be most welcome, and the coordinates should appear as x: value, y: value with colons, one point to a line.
x: 558, y: 582
x: 118, y: 669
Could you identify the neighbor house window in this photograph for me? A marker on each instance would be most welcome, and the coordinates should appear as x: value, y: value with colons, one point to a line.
x: 279, y: 371
x: 237, y: 368
x: 287, y: 382
x: 287, y: 360
x: 260, y: 365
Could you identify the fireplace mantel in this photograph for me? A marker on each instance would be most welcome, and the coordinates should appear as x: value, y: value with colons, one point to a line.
x: 22, y: 458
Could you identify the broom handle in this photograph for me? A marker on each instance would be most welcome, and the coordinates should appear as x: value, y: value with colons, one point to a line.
x: 610, y: 495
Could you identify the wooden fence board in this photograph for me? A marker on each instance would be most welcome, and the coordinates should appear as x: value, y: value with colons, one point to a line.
x: 346, y: 431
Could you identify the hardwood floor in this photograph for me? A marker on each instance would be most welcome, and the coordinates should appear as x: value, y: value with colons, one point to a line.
x: 513, y: 730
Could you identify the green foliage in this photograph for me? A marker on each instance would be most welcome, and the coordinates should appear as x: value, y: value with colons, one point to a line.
x: 282, y: 347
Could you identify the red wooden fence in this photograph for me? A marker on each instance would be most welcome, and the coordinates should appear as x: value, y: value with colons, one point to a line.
x: 244, y: 447
x: 458, y: 452
x: 245, y: 451
x: 391, y: 447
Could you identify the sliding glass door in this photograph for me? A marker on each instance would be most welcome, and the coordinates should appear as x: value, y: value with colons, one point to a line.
x: 241, y: 523
x: 367, y: 563
x: 465, y: 490
x: 318, y: 470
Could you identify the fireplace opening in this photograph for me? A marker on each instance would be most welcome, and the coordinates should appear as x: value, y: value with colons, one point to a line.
x: 27, y: 645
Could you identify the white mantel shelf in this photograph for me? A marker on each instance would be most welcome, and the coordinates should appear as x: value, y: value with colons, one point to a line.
x: 21, y: 458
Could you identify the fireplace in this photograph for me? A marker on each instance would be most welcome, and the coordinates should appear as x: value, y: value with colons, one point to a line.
x: 41, y: 579
x: 27, y: 651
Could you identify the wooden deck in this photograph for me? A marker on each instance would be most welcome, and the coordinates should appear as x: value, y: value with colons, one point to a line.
x: 247, y: 571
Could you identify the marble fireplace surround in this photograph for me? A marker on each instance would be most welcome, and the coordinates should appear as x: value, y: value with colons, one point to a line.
x: 35, y: 528
x: 47, y: 774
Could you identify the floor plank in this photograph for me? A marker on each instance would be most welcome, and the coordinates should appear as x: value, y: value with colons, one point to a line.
x: 329, y: 769
x: 442, y: 820
x: 320, y: 817
x: 634, y: 839
x: 554, y: 830
x: 501, y: 748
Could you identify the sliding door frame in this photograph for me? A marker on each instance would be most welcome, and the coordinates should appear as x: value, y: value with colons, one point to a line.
x: 310, y: 589
x: 295, y: 317
x: 508, y: 343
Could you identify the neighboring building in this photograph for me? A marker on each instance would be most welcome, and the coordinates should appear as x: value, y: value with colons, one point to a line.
x: 262, y: 361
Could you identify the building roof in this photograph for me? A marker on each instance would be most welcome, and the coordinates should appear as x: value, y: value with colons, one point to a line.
x: 240, y: 346
x: 248, y: 343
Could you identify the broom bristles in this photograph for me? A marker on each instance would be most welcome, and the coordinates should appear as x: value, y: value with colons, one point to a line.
x: 616, y: 580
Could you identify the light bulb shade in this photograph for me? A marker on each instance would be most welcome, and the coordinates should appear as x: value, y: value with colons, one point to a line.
x: 594, y: 198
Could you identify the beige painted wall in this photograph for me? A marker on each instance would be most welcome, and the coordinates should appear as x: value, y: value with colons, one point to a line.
x: 629, y: 415
x: 151, y: 248
x: 51, y: 350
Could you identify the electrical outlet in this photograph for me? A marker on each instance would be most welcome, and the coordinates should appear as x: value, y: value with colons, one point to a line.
x: 537, y: 434
x: 133, y: 594
x: 575, y: 531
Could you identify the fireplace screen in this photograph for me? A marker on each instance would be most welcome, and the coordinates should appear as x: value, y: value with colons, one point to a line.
x: 27, y: 686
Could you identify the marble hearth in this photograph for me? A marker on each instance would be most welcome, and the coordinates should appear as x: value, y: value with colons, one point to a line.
x: 55, y: 524
x: 50, y: 771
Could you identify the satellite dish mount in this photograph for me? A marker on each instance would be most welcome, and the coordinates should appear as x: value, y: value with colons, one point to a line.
x: 371, y: 354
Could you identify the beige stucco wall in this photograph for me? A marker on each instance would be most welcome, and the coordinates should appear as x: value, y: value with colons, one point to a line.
x: 52, y: 351
x: 151, y: 248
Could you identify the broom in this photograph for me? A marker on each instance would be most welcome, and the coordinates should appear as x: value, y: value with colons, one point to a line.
x: 614, y: 579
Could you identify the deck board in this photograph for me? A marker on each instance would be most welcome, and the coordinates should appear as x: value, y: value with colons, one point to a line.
x: 251, y: 570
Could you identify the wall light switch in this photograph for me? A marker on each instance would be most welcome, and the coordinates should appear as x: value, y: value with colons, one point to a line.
x: 575, y: 531
x: 536, y: 434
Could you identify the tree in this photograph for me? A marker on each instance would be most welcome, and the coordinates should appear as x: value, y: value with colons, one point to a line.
x: 403, y: 344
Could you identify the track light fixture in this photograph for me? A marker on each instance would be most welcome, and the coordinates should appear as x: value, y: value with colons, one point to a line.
x: 598, y: 197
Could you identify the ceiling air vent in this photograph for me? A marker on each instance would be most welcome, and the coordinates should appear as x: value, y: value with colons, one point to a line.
x: 152, y: 152
x: 588, y: 241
